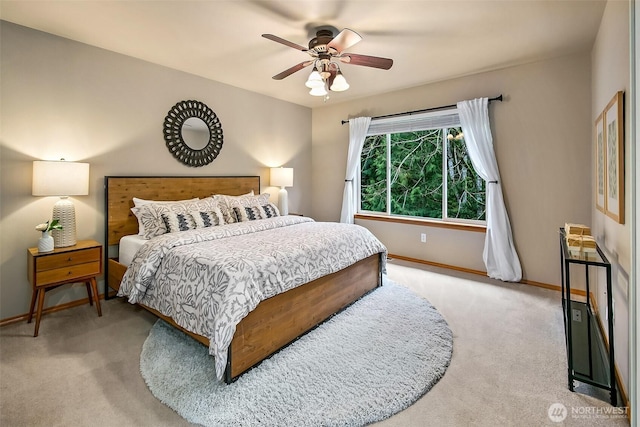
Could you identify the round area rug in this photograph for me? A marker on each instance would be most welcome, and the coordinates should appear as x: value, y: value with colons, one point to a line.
x: 368, y: 362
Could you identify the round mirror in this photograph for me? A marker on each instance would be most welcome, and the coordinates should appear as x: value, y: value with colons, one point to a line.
x: 193, y: 133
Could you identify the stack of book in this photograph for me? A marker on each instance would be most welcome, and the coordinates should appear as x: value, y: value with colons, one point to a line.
x: 579, y: 238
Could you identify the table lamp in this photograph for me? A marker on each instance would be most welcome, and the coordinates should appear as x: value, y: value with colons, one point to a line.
x: 64, y: 179
x: 282, y: 177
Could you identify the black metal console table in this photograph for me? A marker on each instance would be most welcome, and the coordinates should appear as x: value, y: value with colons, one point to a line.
x: 589, y: 360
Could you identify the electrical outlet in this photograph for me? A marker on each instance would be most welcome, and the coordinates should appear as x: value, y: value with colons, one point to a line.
x: 423, y: 237
x: 576, y: 315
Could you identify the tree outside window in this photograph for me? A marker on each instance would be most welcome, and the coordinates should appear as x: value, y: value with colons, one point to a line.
x: 424, y: 174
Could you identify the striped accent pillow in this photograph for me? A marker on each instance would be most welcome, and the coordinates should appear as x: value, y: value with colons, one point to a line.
x: 178, y: 221
x: 236, y: 215
x: 208, y: 219
x: 270, y: 210
x: 252, y: 213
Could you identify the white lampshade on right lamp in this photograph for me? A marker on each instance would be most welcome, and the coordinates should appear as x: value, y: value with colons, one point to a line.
x: 282, y: 177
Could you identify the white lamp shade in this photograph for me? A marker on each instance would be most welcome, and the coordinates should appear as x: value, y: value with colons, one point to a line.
x: 318, y: 91
x: 282, y: 177
x: 339, y: 83
x: 314, y: 80
x: 60, y: 178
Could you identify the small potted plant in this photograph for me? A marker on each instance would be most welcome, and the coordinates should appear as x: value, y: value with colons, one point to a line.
x: 45, y: 244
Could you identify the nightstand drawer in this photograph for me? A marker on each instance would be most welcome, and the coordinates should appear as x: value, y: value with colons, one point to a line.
x: 68, y: 259
x: 69, y: 272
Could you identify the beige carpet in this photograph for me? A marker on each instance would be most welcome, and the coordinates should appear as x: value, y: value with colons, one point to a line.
x: 508, y: 365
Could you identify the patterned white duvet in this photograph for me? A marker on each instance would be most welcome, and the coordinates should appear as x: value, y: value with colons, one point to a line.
x: 207, y: 280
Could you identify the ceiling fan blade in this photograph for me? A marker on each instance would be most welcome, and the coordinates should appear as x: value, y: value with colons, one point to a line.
x: 366, y: 60
x: 284, y: 42
x: 344, y: 40
x: 292, y: 70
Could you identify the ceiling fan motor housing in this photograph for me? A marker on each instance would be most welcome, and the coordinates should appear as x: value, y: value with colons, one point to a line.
x: 320, y: 41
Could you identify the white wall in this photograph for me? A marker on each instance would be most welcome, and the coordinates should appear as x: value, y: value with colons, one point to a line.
x: 60, y: 98
x: 634, y: 299
x: 610, y: 65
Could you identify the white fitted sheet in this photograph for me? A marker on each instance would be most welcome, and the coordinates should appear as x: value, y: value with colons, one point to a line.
x: 129, y: 245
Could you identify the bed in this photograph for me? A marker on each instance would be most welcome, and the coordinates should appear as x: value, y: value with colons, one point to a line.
x: 278, y: 316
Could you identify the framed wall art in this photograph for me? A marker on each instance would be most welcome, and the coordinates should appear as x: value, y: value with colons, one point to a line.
x: 614, y: 158
x: 601, y: 181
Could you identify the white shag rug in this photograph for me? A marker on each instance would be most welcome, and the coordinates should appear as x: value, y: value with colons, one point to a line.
x: 365, y: 364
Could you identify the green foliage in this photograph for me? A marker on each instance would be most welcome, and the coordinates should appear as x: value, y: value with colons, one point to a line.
x: 416, y: 175
x: 49, y: 225
x: 373, y: 166
x: 54, y: 225
x: 465, y: 189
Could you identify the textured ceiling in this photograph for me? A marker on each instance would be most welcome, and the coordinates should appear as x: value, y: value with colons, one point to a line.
x: 221, y: 40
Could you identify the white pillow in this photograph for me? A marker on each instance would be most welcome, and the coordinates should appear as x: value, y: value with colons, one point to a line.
x: 228, y: 203
x: 250, y: 193
x: 151, y: 214
x: 227, y: 212
x: 140, y: 202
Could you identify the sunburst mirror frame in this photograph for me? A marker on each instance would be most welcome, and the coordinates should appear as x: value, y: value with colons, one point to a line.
x: 173, y: 136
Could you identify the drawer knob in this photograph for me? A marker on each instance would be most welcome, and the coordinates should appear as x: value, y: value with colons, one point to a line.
x: 70, y: 259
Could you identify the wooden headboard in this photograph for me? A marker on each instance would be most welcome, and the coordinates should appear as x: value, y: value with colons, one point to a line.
x: 120, y: 191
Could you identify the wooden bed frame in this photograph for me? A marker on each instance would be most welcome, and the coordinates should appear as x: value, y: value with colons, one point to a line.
x: 276, y: 321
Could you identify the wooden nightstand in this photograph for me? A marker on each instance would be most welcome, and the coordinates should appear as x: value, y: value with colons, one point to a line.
x: 48, y: 270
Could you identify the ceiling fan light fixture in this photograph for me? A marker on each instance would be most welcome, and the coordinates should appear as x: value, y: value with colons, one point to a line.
x: 314, y: 80
x: 326, y: 50
x: 318, y: 91
x: 339, y: 83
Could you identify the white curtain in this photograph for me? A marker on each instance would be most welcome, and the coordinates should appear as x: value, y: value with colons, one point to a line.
x: 499, y: 254
x: 357, y: 132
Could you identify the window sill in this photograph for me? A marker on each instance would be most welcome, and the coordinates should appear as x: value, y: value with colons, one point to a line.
x: 422, y: 222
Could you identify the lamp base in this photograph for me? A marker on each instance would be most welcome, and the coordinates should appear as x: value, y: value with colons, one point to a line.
x: 65, y: 213
x: 283, y: 202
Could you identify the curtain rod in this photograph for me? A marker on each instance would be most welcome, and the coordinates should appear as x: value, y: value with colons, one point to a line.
x: 408, y: 113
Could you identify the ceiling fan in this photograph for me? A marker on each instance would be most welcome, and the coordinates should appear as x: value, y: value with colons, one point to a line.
x: 326, y: 53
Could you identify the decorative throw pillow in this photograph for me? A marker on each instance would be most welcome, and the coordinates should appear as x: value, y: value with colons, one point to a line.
x: 208, y: 219
x: 271, y: 210
x: 151, y: 214
x: 178, y: 221
x: 227, y: 205
x: 140, y: 202
x: 251, y: 213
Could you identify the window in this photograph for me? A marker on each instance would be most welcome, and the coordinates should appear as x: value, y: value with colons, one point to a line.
x: 419, y: 167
